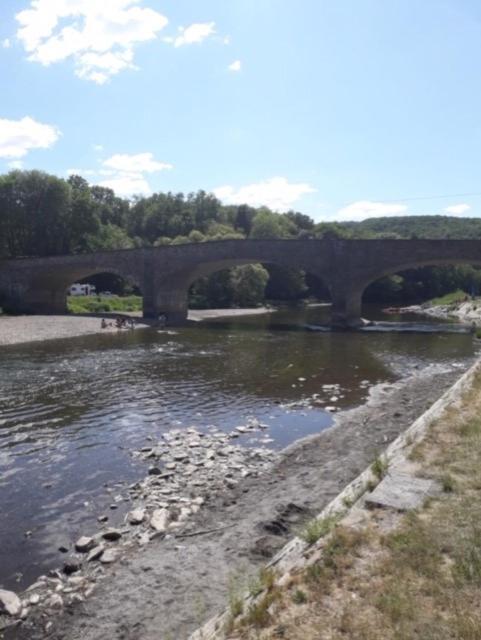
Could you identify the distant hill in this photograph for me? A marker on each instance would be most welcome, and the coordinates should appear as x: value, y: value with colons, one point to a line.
x: 416, y: 226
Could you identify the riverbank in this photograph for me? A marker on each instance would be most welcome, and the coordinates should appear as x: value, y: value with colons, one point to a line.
x: 169, y: 586
x: 467, y: 311
x: 20, y: 329
x: 404, y: 563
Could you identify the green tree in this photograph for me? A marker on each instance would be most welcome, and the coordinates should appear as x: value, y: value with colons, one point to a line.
x: 267, y: 224
x: 285, y: 284
x: 249, y: 283
x: 109, y: 237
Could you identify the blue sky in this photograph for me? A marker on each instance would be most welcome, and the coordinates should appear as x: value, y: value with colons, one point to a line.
x: 342, y: 109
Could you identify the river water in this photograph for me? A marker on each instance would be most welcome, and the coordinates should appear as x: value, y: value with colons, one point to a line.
x: 72, y: 411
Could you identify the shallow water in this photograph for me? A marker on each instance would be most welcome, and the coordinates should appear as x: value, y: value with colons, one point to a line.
x: 72, y: 411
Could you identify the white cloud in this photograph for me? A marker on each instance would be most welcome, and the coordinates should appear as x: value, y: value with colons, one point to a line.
x: 366, y: 209
x: 17, y: 137
x: 124, y: 173
x: 226, y: 40
x: 195, y: 33
x: 457, y: 209
x: 235, y: 66
x: 138, y: 163
x: 97, y: 148
x: 15, y: 164
x: 6, y: 44
x: 125, y: 184
x: 99, y: 36
x: 81, y: 172
x: 276, y: 193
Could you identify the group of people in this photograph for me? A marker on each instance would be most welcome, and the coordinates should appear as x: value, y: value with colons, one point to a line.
x: 120, y: 322
x: 124, y: 322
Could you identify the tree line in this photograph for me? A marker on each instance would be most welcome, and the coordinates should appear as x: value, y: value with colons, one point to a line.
x: 42, y: 214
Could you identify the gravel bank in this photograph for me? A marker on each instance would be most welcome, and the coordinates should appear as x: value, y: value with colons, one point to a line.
x: 19, y: 329
x: 171, y: 585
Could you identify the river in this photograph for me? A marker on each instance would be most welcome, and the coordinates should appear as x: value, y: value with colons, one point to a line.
x: 72, y: 411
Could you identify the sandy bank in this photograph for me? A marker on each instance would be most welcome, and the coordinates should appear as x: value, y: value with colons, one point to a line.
x: 19, y: 329
x: 169, y: 586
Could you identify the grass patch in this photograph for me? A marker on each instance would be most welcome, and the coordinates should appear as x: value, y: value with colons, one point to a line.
x: 317, y: 528
x: 299, y: 597
x: 103, y: 304
x: 263, y: 581
x: 454, y: 297
x: 448, y: 483
x: 379, y: 467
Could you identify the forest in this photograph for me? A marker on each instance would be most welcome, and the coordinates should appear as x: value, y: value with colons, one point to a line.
x: 42, y: 214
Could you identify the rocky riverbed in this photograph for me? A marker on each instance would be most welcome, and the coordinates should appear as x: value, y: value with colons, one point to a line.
x: 188, y: 469
x: 209, y: 513
x: 467, y: 312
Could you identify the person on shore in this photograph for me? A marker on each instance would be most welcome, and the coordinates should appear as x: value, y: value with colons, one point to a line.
x: 104, y: 324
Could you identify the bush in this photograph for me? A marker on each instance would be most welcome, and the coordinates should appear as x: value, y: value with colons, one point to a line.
x: 103, y: 304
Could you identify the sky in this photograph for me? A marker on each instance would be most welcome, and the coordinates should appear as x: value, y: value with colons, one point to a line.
x: 341, y: 109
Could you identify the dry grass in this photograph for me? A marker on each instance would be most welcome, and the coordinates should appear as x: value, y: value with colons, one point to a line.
x: 417, y: 579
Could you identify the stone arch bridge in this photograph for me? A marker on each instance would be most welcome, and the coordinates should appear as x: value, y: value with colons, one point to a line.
x: 164, y: 274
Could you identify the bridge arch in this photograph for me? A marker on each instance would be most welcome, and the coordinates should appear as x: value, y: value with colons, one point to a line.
x: 45, y: 292
x: 172, y: 294
x: 407, y: 266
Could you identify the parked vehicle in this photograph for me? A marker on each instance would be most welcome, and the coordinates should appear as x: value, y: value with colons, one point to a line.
x: 78, y: 289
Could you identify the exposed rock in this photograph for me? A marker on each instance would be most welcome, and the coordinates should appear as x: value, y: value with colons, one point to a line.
x: 34, y: 599
x: 76, y: 598
x: 159, y: 520
x: 84, y: 544
x: 112, y: 535
x: 55, y: 601
x: 136, y: 516
x: 103, y: 518
x: 76, y: 581
x: 96, y: 553
x: 10, y: 603
x: 180, y: 455
x: 155, y: 471
x: 71, y: 565
x: 109, y: 556
x: 143, y: 538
